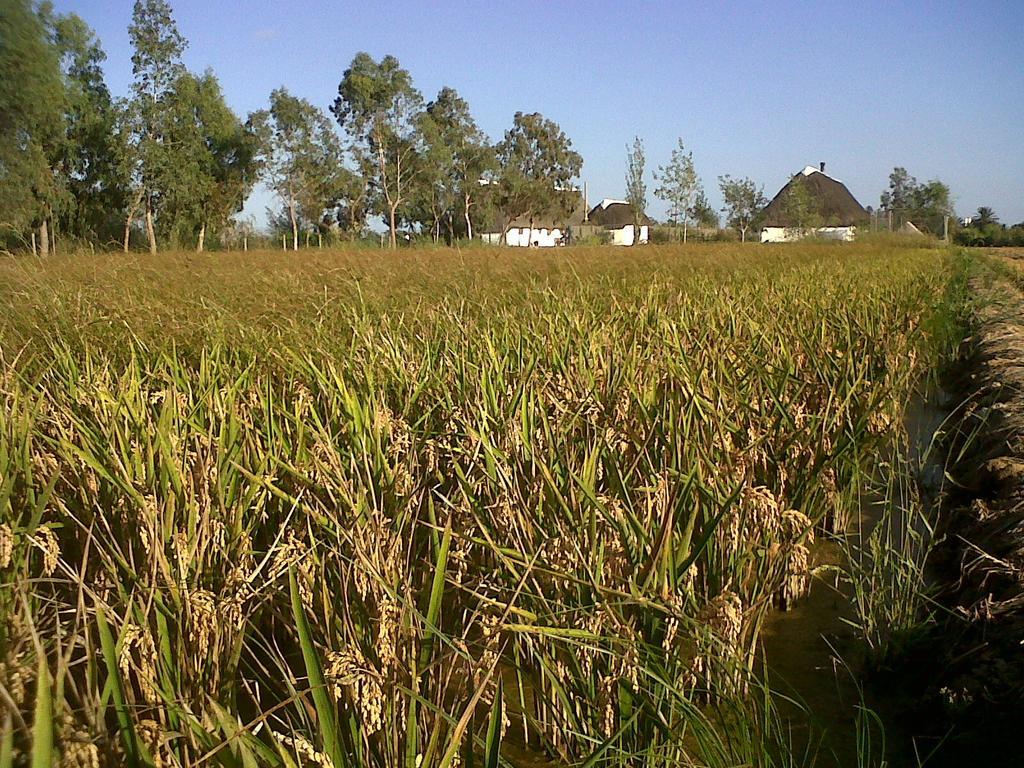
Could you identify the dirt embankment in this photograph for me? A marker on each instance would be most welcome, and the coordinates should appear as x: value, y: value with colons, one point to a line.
x: 976, y: 682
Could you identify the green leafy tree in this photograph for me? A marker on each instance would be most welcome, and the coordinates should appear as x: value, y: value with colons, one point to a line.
x: 927, y: 205
x: 932, y: 205
x: 702, y: 213
x: 636, y: 187
x: 31, y: 108
x: 85, y: 161
x: 459, y: 154
x: 431, y: 196
x: 680, y: 185
x: 536, y: 166
x: 744, y: 200
x: 355, y: 190
x: 380, y: 109
x: 800, y: 206
x: 151, y: 162
x: 985, y: 216
x: 219, y: 157
x: 899, y: 195
x: 303, y: 158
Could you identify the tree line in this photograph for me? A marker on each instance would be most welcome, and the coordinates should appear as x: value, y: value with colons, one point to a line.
x: 172, y: 162
x: 927, y: 205
x: 983, y: 228
x: 680, y: 187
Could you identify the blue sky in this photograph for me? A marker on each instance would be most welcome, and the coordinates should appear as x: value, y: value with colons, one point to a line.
x: 757, y: 90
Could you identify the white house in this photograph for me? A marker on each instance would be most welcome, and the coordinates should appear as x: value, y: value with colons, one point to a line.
x: 616, y: 216
x: 544, y: 230
x: 519, y: 233
x: 835, y: 212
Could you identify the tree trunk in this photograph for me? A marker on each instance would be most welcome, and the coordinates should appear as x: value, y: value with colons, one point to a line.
x: 44, y: 239
x: 469, y: 222
x: 129, y: 218
x: 202, y: 239
x: 294, y: 219
x: 503, y: 237
x: 150, y: 232
x: 392, y: 227
x: 743, y: 234
x: 685, y: 222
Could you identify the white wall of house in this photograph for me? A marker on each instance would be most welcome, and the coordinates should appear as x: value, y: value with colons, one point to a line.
x: 624, y: 235
x: 791, y: 234
x: 524, y: 237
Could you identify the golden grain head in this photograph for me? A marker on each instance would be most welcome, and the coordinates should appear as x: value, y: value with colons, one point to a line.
x: 46, y: 541
x: 6, y: 545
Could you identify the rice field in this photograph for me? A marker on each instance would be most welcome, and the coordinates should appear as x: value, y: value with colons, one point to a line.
x: 432, y: 508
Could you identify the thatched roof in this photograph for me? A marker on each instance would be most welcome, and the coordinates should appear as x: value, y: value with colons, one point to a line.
x: 833, y: 202
x: 613, y: 214
x: 548, y: 220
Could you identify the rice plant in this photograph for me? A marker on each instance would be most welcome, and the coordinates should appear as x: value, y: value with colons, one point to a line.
x: 348, y: 509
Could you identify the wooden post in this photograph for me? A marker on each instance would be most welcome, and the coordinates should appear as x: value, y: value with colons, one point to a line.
x: 284, y: 242
x: 945, y: 228
x: 34, y: 243
x: 319, y: 240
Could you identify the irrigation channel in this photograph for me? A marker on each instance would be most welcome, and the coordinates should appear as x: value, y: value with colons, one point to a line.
x: 814, y: 657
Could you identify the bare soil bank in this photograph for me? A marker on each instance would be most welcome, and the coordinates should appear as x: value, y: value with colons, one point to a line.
x: 968, y: 675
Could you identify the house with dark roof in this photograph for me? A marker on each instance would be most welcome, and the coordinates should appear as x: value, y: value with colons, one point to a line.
x: 812, y: 203
x: 543, y: 230
x: 616, y: 217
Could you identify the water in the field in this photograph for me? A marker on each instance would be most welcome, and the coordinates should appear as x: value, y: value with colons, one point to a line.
x: 815, y: 658
x: 814, y: 655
